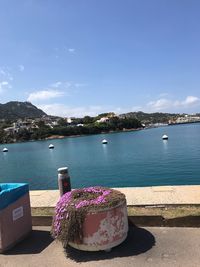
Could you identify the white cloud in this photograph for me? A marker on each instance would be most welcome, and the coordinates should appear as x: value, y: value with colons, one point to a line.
x: 56, y: 84
x: 191, y: 100
x: 5, y: 73
x: 78, y: 85
x: 54, y: 90
x: 2, y: 72
x: 4, y: 85
x: 71, y: 50
x: 62, y: 85
x: 5, y: 79
x: 164, y: 104
x: 44, y: 95
x: 160, y: 104
x: 21, y: 68
x: 135, y: 108
x: 68, y: 111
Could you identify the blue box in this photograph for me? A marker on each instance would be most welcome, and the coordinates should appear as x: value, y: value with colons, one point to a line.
x: 9, y: 193
x: 15, y: 214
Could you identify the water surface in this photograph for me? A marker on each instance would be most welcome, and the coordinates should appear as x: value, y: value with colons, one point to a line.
x: 139, y: 158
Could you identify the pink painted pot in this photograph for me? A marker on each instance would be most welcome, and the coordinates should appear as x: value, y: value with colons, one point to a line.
x: 104, y: 229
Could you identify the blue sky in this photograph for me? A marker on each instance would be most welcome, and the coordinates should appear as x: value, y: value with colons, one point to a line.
x: 85, y: 57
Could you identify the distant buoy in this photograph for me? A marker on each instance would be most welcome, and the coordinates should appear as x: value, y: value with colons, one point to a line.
x: 165, y: 137
x: 51, y: 146
x: 5, y: 149
x: 104, y: 141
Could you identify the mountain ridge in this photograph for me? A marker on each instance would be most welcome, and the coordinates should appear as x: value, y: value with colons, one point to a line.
x: 14, y: 110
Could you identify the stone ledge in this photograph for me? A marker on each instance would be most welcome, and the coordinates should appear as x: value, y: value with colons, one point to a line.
x: 147, y: 206
x: 136, y: 196
x: 139, y: 221
x: 167, y: 216
x: 144, y: 221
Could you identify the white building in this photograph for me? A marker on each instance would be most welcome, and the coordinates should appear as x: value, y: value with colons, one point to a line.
x: 103, y: 119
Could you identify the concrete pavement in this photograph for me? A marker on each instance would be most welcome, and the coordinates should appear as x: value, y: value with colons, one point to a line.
x: 136, y: 196
x: 150, y: 247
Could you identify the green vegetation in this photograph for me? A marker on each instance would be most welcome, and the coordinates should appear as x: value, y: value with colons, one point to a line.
x: 149, y: 118
x: 14, y: 110
x: 22, y: 121
x: 167, y: 211
x: 64, y: 129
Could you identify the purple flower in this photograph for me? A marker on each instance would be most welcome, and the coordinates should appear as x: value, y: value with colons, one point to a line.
x: 76, y: 198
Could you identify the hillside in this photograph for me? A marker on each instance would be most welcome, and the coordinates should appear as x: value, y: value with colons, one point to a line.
x: 156, y: 117
x: 14, y: 110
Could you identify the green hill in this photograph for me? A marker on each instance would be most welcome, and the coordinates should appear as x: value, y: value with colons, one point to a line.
x: 14, y: 110
x: 156, y: 117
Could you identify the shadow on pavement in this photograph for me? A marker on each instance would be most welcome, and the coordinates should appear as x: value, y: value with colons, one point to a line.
x: 35, y: 243
x: 138, y: 241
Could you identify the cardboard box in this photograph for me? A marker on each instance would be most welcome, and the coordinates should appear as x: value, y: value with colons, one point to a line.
x: 15, y: 214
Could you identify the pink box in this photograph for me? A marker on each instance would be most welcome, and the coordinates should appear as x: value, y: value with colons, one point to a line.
x: 15, y: 222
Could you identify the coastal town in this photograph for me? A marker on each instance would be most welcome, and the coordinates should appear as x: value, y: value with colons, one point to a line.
x: 42, y: 126
x: 51, y: 121
x: 99, y: 133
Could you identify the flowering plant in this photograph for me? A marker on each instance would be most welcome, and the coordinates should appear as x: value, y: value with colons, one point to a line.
x: 73, y: 206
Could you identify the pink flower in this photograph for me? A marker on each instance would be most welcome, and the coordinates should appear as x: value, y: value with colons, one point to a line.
x: 75, y: 198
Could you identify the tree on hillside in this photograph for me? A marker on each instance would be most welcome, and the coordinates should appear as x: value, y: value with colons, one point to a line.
x: 88, y: 119
x: 62, y: 122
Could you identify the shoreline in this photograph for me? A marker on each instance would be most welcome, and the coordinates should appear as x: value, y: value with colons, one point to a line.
x: 81, y: 135
x: 179, y: 123
x: 52, y: 137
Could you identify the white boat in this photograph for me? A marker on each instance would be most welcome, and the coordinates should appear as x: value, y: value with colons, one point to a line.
x: 5, y: 149
x: 104, y: 141
x: 51, y: 146
x: 165, y: 137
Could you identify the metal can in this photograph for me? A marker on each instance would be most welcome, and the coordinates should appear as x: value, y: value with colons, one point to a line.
x: 64, y: 183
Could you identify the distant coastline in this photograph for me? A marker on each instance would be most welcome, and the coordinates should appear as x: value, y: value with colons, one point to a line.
x: 51, y: 128
x: 179, y: 123
x: 53, y: 137
x: 79, y: 135
x: 56, y: 136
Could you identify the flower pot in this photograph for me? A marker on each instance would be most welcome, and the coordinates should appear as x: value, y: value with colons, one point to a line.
x: 104, y: 228
x: 91, y: 219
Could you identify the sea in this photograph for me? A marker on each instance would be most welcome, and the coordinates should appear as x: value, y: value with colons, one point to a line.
x: 129, y: 159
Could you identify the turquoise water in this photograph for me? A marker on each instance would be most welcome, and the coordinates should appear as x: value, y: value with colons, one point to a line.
x: 139, y: 158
